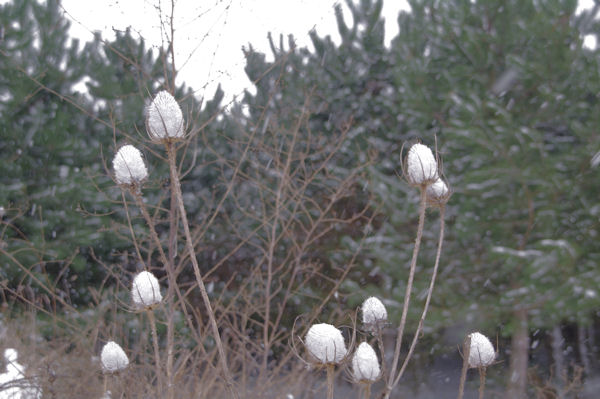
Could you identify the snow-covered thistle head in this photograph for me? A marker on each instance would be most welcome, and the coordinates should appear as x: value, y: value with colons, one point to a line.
x: 129, y: 166
x: 113, y: 358
x: 421, y: 166
x: 438, y: 193
x: 374, y: 314
x: 10, y: 355
x: 145, y: 290
x: 164, y: 118
x: 482, y: 352
x: 325, y: 343
x: 365, y: 366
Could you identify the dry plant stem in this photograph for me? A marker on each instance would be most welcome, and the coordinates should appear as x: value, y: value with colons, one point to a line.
x: 465, y: 367
x: 140, y: 203
x: 481, y: 381
x: 391, y: 382
x: 171, y: 288
x: 172, y: 45
x: 152, y: 321
x: 367, y: 394
x: 429, y: 294
x: 381, y: 351
x: 176, y: 187
x: 330, y: 379
x: 135, y: 244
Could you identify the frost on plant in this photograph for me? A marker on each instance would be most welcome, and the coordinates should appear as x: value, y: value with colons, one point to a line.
x: 421, y: 165
x: 129, y: 166
x: 164, y: 118
x: 438, y: 190
x: 374, y: 313
x: 113, y: 358
x: 325, y: 343
x: 438, y: 193
x: 482, y: 352
x: 145, y: 290
x: 365, y: 366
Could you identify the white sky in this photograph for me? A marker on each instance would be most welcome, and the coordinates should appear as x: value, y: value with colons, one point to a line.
x: 210, y: 33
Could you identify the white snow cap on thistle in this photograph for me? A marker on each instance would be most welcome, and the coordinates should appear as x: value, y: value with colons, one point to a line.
x: 365, y: 366
x: 113, y: 358
x: 438, y: 192
x: 164, y: 118
x: 129, y: 166
x: 421, y: 165
x: 374, y: 314
x: 325, y: 343
x: 145, y: 290
x: 482, y: 352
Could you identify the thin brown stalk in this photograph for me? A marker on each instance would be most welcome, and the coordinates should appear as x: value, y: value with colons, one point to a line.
x: 482, y: 371
x: 152, y: 321
x: 172, y: 282
x: 429, y: 295
x: 465, y: 367
x: 172, y: 45
x: 330, y: 380
x: 381, y: 351
x: 391, y: 382
x: 176, y: 187
x: 133, y: 239
x: 367, y: 394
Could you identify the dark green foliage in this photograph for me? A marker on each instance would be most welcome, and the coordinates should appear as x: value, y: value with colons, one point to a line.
x: 45, y: 148
x: 64, y: 111
x: 510, y: 94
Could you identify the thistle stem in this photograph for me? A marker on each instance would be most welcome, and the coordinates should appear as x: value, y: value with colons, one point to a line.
x: 176, y: 187
x: 381, y: 351
x: 463, y: 374
x: 152, y: 320
x: 330, y: 380
x: 482, y: 371
x: 170, y: 289
x: 429, y: 294
x: 367, y: 394
x: 391, y: 382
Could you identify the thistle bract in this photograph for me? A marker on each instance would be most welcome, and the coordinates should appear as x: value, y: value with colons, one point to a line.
x: 129, y: 166
x: 145, y: 290
x: 373, y: 312
x: 421, y: 165
x: 164, y: 118
x: 325, y: 343
x: 113, y: 358
x: 365, y: 366
x: 482, y: 352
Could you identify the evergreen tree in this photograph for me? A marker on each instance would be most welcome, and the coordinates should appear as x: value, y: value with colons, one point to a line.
x: 64, y: 112
x: 509, y: 93
x: 46, y: 149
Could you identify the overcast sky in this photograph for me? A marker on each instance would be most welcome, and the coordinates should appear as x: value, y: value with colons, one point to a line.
x: 210, y: 33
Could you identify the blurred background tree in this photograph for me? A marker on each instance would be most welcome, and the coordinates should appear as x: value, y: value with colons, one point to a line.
x: 64, y: 111
x: 511, y: 95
